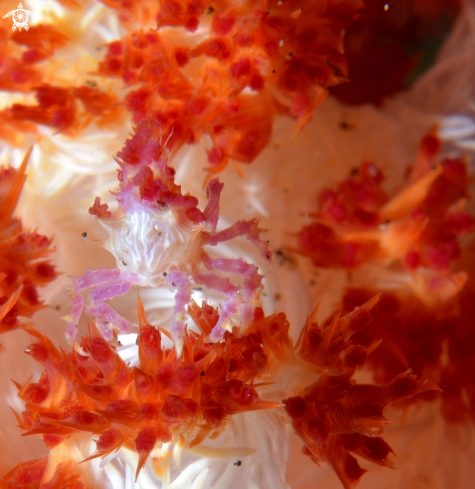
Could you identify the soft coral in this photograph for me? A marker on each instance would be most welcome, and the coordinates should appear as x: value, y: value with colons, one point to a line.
x: 22, y: 264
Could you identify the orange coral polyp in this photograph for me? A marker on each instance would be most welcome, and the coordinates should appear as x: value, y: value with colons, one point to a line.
x: 92, y: 390
x: 257, y: 61
x: 22, y: 254
x: 31, y: 475
x: 184, y: 398
x: 69, y: 109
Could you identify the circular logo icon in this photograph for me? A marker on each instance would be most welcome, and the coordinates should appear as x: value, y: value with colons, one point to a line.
x: 20, y: 18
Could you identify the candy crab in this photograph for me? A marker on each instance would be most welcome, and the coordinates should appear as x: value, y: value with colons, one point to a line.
x: 157, y: 236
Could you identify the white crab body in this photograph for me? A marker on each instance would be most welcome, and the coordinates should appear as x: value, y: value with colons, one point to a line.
x: 150, y: 242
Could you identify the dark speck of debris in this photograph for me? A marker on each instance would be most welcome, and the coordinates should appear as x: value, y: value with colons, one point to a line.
x: 164, y: 274
x: 346, y: 126
x: 354, y: 171
x: 84, y: 235
x: 238, y: 463
x: 202, y: 373
x: 283, y: 258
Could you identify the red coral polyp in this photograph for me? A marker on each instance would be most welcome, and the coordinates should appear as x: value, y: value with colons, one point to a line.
x: 171, y: 398
x: 335, y: 416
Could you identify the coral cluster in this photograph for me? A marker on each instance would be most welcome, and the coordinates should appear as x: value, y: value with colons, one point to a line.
x: 182, y: 394
x: 26, y: 66
x: 335, y: 415
x: 23, y: 267
x: 165, y: 398
x: 199, y: 67
x: 230, y: 69
x: 148, y: 405
x: 412, y: 237
x: 412, y: 245
x: 185, y: 398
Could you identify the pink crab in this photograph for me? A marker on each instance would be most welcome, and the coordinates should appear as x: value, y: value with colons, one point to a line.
x: 158, y: 236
